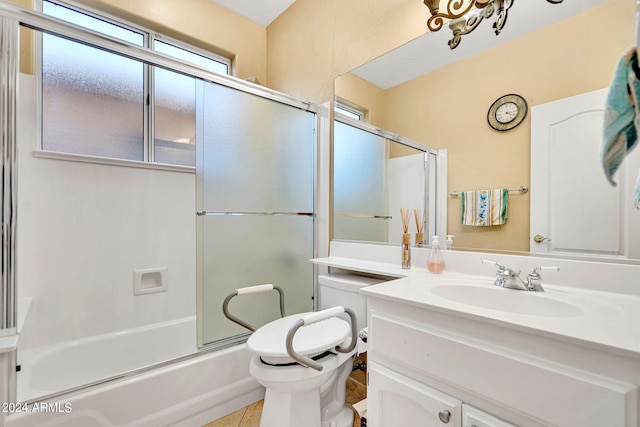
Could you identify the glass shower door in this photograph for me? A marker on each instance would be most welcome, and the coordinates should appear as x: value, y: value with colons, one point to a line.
x: 255, y: 201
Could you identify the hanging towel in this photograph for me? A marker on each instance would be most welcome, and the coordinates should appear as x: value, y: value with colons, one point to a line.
x: 485, y: 207
x: 621, y: 117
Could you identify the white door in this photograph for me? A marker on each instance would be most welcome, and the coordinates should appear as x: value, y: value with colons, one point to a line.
x: 573, y: 207
x: 395, y: 400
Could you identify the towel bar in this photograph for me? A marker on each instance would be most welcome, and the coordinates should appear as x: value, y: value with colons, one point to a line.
x: 522, y: 190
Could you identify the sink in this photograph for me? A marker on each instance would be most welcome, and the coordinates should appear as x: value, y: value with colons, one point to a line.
x: 507, y: 300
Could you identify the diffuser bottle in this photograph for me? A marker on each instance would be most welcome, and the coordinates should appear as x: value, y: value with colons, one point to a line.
x: 406, y: 251
x: 435, y: 261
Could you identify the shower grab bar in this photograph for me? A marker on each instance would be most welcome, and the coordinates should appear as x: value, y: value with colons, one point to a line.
x: 316, y: 317
x: 363, y: 216
x: 250, y: 290
x: 522, y: 190
x: 222, y: 213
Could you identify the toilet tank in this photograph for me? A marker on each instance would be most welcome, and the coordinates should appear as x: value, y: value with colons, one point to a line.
x: 344, y: 290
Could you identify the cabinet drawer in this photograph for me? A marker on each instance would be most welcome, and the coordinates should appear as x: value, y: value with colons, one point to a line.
x: 472, y: 417
x: 554, y: 394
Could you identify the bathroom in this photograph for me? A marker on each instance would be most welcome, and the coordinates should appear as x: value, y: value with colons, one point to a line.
x: 278, y: 56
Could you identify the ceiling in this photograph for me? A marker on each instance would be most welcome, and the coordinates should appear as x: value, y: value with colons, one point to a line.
x: 263, y: 12
x: 431, y: 51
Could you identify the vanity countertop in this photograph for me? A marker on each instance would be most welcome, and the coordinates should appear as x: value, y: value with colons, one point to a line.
x: 605, y: 320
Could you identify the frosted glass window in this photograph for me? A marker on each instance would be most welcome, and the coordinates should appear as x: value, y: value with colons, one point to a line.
x: 92, y: 101
x: 175, y: 107
x: 360, y: 184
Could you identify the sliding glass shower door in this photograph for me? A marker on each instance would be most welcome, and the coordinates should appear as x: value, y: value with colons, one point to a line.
x: 255, y: 205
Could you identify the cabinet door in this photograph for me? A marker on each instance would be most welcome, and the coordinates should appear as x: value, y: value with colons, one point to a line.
x: 472, y: 417
x: 395, y: 400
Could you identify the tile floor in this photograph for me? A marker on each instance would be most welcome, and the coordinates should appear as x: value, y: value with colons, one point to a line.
x: 250, y: 416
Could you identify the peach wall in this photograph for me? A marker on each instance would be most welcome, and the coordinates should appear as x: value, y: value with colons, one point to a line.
x: 315, y: 41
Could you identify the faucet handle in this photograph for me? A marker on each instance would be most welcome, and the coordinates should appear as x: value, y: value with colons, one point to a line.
x: 534, y: 281
x: 535, y: 271
x: 500, y: 266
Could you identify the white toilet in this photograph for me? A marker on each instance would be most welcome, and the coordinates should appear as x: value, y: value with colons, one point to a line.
x: 304, y: 360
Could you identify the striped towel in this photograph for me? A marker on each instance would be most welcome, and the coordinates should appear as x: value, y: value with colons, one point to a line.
x: 485, y: 207
x: 621, y: 117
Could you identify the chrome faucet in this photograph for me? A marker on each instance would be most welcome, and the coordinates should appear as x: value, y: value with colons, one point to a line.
x: 510, y: 278
x: 534, y: 281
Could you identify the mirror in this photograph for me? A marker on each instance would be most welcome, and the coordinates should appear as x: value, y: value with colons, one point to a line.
x: 441, y: 97
x: 375, y: 175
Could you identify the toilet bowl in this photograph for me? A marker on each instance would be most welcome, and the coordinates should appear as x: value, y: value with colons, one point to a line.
x: 303, y: 361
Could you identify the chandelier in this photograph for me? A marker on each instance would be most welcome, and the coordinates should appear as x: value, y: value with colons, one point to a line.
x: 461, y: 24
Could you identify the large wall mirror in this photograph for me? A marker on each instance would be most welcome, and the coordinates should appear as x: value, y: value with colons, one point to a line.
x: 375, y: 175
x: 546, y: 53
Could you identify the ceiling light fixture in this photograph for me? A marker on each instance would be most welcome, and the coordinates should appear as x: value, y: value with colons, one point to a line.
x: 461, y: 24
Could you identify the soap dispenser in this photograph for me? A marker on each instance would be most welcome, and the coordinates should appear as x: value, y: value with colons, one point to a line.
x: 435, y: 262
x: 448, y: 244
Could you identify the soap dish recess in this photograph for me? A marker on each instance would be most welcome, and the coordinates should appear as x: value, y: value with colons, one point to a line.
x: 150, y: 280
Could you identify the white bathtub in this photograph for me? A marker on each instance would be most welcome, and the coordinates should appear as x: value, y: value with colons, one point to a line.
x: 190, y: 392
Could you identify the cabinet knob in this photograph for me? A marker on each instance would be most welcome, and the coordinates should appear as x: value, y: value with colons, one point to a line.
x: 444, y: 416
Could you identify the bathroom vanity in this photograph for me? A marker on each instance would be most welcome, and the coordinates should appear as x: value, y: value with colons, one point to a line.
x: 455, y: 350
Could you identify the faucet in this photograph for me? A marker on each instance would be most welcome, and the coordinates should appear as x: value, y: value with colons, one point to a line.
x: 510, y: 278
x: 534, y: 281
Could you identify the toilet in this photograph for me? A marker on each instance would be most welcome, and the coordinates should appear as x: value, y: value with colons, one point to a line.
x: 344, y: 289
x: 304, y: 360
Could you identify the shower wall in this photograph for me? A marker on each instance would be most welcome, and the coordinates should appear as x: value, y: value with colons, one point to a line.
x: 84, y: 228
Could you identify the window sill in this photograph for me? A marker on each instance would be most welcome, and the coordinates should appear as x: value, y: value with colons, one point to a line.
x: 112, y: 162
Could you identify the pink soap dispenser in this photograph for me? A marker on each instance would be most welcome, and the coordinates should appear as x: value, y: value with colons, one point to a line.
x: 435, y: 261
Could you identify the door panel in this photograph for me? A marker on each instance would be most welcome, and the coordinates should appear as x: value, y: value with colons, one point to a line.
x: 255, y: 173
x: 572, y: 205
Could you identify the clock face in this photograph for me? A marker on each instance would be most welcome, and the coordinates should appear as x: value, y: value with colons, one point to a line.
x: 507, y: 112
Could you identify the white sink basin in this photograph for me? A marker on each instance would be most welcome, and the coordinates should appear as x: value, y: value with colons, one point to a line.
x: 508, y: 300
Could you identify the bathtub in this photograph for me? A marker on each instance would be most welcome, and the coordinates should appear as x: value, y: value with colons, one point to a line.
x: 192, y: 390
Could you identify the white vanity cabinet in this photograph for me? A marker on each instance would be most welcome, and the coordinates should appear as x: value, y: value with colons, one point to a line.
x: 433, y: 367
x: 396, y: 400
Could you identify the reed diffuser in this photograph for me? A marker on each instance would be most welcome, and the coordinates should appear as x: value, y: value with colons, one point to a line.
x: 405, y: 215
x: 419, y: 216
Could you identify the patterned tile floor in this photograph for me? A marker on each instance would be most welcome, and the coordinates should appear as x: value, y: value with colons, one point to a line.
x: 250, y: 416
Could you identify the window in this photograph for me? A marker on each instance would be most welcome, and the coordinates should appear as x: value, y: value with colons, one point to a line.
x: 93, y: 102
x: 348, y: 109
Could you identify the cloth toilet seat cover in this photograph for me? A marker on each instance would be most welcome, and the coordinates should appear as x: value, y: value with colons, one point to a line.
x: 270, y: 340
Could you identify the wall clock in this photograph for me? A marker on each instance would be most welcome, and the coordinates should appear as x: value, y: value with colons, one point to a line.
x: 507, y: 112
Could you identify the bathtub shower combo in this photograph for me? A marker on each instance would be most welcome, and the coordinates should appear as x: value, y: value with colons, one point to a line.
x: 168, y: 356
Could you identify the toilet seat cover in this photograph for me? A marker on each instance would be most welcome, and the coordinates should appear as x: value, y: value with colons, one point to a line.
x: 270, y: 340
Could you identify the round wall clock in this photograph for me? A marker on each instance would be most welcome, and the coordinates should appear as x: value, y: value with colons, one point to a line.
x: 507, y: 112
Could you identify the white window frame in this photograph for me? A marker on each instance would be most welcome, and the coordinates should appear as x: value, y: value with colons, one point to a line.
x: 149, y: 37
x: 349, y: 109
